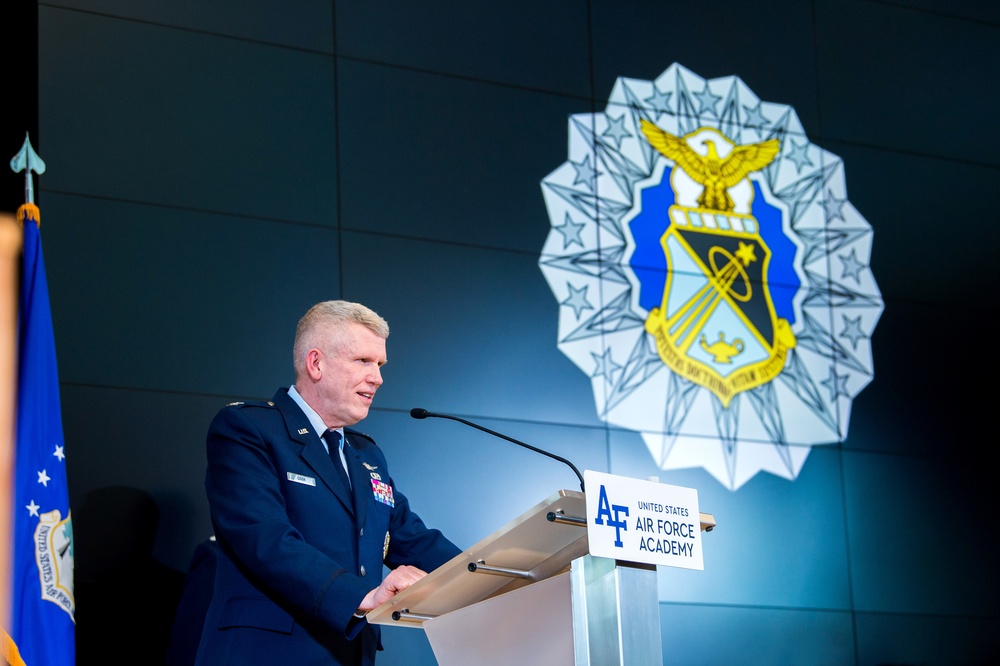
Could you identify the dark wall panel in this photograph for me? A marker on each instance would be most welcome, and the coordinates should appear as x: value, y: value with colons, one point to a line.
x: 185, y: 119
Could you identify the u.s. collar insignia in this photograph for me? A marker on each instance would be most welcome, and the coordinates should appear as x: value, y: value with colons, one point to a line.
x: 370, y: 468
x: 303, y: 431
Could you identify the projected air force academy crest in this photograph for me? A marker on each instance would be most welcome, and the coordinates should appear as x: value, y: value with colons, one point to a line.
x: 711, y: 275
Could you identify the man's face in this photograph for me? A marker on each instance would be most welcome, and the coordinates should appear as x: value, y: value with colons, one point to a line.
x: 350, y: 376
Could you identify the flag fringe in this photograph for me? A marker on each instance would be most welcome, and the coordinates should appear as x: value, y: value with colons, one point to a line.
x: 9, y: 650
x: 29, y: 211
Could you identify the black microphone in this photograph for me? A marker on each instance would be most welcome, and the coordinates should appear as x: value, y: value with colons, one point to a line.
x: 419, y: 413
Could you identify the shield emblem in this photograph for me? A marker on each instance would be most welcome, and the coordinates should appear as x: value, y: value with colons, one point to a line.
x: 717, y: 325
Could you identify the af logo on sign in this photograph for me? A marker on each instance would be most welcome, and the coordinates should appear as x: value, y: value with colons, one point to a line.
x: 712, y: 276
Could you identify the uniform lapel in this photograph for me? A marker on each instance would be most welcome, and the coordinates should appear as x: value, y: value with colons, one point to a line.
x: 313, y: 452
x: 359, y: 479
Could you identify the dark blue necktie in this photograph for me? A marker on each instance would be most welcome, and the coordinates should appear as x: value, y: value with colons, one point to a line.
x: 333, y: 443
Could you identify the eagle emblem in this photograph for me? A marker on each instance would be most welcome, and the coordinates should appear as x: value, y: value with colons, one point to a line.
x: 716, y: 174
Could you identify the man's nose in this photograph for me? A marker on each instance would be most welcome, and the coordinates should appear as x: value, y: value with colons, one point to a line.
x: 375, y: 377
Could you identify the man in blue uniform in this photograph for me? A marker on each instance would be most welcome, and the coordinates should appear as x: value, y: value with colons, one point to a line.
x: 305, y: 511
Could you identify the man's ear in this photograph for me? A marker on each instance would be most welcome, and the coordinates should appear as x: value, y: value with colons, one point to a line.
x: 314, y: 359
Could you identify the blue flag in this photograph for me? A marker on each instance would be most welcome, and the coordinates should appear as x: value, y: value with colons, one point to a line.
x: 42, y: 616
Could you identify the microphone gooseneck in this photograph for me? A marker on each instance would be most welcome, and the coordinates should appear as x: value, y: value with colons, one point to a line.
x: 419, y: 413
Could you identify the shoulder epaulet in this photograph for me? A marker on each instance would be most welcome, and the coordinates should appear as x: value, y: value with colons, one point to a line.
x: 357, y: 433
x: 251, y: 403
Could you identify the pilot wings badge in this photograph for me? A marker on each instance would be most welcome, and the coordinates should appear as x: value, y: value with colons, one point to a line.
x: 716, y: 325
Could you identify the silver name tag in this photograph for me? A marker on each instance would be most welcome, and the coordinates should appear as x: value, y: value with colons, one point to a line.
x: 298, y: 478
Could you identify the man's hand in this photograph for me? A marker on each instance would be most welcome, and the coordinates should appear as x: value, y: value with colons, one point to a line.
x: 398, y: 580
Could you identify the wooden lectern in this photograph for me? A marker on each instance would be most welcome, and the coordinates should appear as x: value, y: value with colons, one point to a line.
x: 531, y: 593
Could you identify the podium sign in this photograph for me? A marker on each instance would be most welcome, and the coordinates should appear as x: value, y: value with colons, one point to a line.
x: 643, y: 521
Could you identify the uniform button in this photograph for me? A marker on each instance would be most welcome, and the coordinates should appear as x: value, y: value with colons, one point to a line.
x: 362, y: 531
x: 363, y: 572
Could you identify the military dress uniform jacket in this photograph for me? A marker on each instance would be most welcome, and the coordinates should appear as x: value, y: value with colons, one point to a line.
x: 298, y: 550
